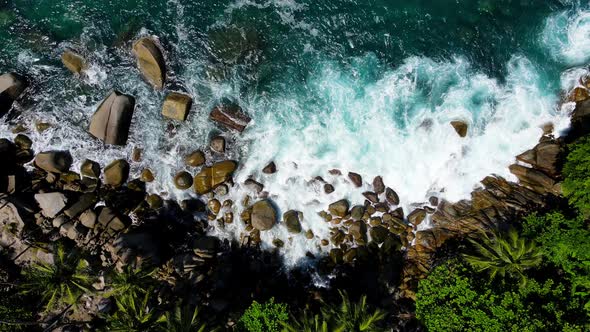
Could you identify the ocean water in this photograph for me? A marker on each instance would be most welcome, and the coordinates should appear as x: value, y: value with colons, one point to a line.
x: 368, y: 86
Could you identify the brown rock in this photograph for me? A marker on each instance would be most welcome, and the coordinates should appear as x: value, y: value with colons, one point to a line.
x: 271, y: 168
x: 335, y: 172
x: 291, y: 220
x: 146, y: 175
x: 23, y: 141
x: 378, y: 185
x: 460, y: 128
x: 73, y: 61
x: 183, y: 180
x: 356, y: 179
x: 254, y: 185
x: 116, y: 173
x: 155, y: 201
x: 176, y: 106
x: 545, y: 156
x: 328, y: 188
x: 391, y: 196
x: 210, y: 178
x: 150, y: 61
x: 111, y: 121
x: 339, y: 208
x: 263, y: 215
x: 90, y: 169
x: 578, y: 94
x: 214, y: 206
x: 195, y: 159
x: 417, y: 216
x: 371, y: 196
x: 230, y: 116
x: 136, y: 154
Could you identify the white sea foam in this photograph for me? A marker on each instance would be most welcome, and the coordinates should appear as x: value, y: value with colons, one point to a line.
x: 567, y: 37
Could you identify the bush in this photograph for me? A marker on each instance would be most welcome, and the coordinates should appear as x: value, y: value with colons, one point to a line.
x: 267, y: 317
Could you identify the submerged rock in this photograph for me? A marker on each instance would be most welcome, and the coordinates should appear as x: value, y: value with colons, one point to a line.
x: 230, y: 116
x: 176, y: 106
x: 23, y: 141
x: 356, y: 179
x: 271, y: 168
x: 460, y: 128
x: 111, y: 121
x: 211, y: 177
x: 217, y: 144
x: 150, y: 61
x: 12, y: 86
x: 263, y: 216
x: 73, y: 61
x: 54, y: 161
x: 116, y: 173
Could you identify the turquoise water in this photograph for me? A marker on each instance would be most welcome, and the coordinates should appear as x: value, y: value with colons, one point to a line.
x: 366, y: 86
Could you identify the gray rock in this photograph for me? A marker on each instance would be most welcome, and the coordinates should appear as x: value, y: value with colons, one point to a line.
x: 12, y: 85
x: 84, y: 203
x: 111, y: 121
x: 116, y: 173
x: 88, y: 218
x: 54, y: 161
x: 176, y: 106
x: 263, y: 215
x: 217, y: 144
x: 51, y: 203
x: 230, y: 116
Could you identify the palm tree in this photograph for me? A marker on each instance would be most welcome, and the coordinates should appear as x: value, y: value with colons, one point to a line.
x: 183, y: 319
x: 504, y: 254
x: 353, y: 317
x: 134, y: 314
x: 62, y: 282
x: 309, y: 323
x: 133, y: 280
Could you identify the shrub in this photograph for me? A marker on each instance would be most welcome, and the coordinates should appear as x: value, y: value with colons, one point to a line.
x: 576, y: 172
x: 267, y: 317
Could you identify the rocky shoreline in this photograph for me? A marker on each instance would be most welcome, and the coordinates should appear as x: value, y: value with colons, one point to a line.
x: 115, y: 219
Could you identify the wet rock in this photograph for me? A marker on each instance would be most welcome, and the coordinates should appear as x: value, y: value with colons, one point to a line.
x: 545, y: 156
x: 232, y: 44
x: 195, y: 159
x: 176, y: 106
x: 356, y: 179
x: 54, y: 161
x: 109, y: 219
x: 51, y: 203
x: 433, y: 200
x: 578, y: 94
x: 335, y: 172
x: 460, y: 127
x: 291, y: 219
x: 378, y: 185
x: 217, y: 144
x: 254, y: 186
x: 371, y: 196
x: 42, y: 126
x: 214, y: 206
x: 111, y: 121
x: 337, y: 237
x: 146, y: 175
x: 150, y: 61
x: 339, y: 208
x: 90, y: 169
x: 417, y: 216
x: 350, y: 255
x: 328, y: 188
x: 535, y: 180
x: 136, y: 154
x: 85, y: 202
x: 391, y: 196
x: 88, y: 218
x: 309, y: 234
x: 12, y: 85
x: 378, y: 234
x: 210, y: 178
x: 278, y: 243
x: 73, y: 61
x: 23, y: 141
x: 358, y: 230
x: 228, y: 218
x: 222, y: 190
x: 263, y: 215
x: 183, y: 180
x: 230, y: 116
x: 271, y: 168
x: 357, y: 212
x: 116, y: 173
x: 154, y: 201
x: 337, y: 255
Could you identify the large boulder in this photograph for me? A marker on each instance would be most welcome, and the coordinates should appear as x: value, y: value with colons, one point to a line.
x: 73, y: 61
x: 545, y: 156
x: 183, y: 180
x: 116, y: 173
x: 263, y: 216
x: 12, y: 86
x: 535, y: 180
x: 54, y: 161
x: 51, y: 203
x: 460, y: 127
x: 150, y: 61
x: 230, y: 116
x: 176, y: 106
x: 112, y: 119
x: 210, y: 178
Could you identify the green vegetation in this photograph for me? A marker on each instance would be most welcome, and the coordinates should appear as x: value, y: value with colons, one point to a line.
x: 504, y: 255
x: 183, y: 319
x: 60, y: 283
x: 348, y: 316
x: 131, y: 281
x: 576, y: 172
x: 267, y: 317
x: 134, y: 314
x: 15, y: 309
